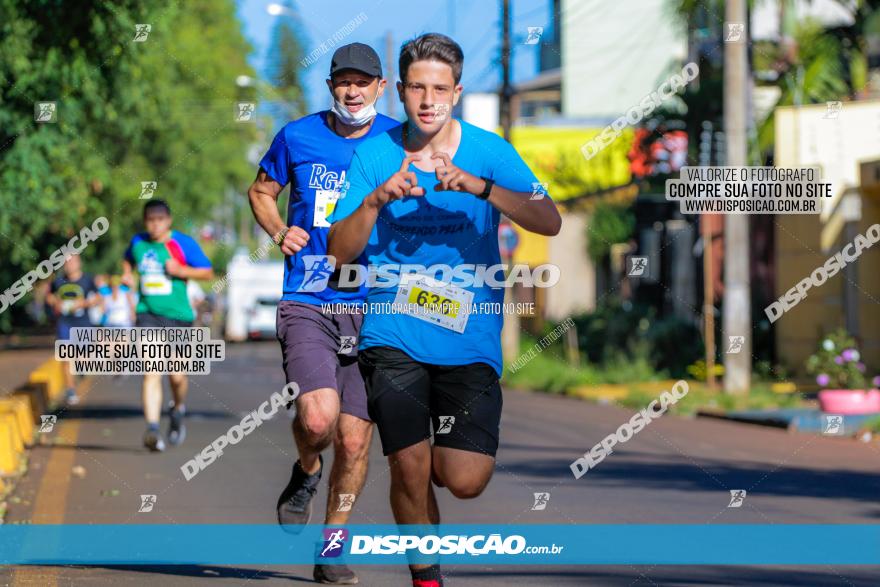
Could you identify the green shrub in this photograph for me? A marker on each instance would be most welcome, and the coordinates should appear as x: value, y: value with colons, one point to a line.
x: 609, y: 224
x: 622, y: 331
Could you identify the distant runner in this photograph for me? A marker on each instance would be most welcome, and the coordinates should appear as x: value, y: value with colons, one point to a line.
x: 431, y: 193
x: 320, y: 349
x: 70, y: 296
x: 164, y: 259
x: 119, y: 304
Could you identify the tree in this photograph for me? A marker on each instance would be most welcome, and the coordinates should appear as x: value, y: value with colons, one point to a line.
x: 158, y: 110
x: 284, y: 64
x: 812, y: 65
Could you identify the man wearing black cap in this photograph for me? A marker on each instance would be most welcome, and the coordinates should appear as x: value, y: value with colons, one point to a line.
x: 320, y: 348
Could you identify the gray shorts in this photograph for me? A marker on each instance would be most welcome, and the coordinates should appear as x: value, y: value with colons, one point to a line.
x: 320, y: 351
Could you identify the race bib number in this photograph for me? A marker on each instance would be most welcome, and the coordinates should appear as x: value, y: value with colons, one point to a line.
x: 325, y: 202
x: 445, y: 305
x: 155, y: 284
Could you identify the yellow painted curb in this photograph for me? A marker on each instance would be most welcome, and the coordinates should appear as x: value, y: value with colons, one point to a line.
x: 10, y: 420
x: 8, y: 456
x: 617, y: 391
x: 51, y: 374
x: 596, y: 392
x: 22, y: 411
x: 783, y: 387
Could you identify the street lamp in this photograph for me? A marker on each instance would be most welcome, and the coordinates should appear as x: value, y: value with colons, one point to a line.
x: 244, y: 81
x: 276, y: 9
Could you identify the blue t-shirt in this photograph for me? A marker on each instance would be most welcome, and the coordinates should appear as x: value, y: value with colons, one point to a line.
x: 311, y: 157
x: 440, y: 228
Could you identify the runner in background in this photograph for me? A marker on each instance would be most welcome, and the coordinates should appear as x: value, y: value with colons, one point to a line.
x: 196, y: 297
x: 431, y: 193
x: 320, y: 349
x: 96, y: 314
x: 165, y: 260
x: 70, y: 297
x: 119, y: 308
x: 119, y: 304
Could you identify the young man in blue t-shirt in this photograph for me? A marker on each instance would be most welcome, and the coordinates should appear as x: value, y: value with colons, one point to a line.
x: 431, y: 193
x: 320, y: 348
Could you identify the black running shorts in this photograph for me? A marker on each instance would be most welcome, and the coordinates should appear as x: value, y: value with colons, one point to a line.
x: 406, y: 399
x: 148, y: 320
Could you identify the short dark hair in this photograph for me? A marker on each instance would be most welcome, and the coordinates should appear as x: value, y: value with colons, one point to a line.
x: 431, y: 47
x: 160, y: 204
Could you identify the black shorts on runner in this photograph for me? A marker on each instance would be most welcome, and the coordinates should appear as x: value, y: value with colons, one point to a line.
x: 406, y: 398
x: 320, y: 351
x: 148, y: 320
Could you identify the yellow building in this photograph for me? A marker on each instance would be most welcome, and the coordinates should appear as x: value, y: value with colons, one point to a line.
x: 554, y: 155
x: 845, y: 145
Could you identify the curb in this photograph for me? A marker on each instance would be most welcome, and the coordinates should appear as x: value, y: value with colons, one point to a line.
x: 19, y: 414
x: 613, y: 392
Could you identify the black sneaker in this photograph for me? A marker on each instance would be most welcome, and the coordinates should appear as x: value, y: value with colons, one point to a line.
x: 334, y: 575
x: 153, y: 440
x: 177, y: 429
x: 295, y: 504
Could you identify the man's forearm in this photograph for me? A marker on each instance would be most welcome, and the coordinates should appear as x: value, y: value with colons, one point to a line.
x: 348, y: 238
x: 538, y: 216
x: 197, y: 273
x: 265, y: 209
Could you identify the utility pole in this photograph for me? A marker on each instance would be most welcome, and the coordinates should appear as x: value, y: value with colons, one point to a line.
x: 510, y: 331
x: 708, y: 300
x: 506, y: 90
x: 737, y: 318
x: 390, y: 92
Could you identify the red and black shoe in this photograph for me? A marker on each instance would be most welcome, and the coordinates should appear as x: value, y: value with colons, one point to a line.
x: 428, y: 577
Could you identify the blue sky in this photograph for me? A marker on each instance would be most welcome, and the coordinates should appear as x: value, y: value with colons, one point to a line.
x: 474, y: 24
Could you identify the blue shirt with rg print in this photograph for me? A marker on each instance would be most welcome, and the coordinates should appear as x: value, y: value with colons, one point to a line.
x: 313, y: 159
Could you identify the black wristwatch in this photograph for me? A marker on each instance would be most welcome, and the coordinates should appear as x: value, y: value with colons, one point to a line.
x: 485, y: 194
x: 279, y: 237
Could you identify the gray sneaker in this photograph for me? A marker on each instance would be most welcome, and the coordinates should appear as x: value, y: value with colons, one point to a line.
x: 177, y: 429
x: 295, y: 503
x: 153, y: 440
x: 70, y: 397
x: 334, y: 575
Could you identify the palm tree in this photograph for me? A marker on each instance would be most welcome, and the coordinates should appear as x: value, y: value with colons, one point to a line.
x: 811, y: 65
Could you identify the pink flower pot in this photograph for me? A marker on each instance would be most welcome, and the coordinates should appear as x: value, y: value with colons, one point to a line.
x: 849, y: 401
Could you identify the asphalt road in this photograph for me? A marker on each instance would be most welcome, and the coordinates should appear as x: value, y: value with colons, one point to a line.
x: 675, y: 471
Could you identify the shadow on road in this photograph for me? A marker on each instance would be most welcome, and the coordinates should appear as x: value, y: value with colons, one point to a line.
x: 96, y: 447
x: 113, y: 412
x: 196, y: 571
x: 709, y: 475
x: 672, y: 575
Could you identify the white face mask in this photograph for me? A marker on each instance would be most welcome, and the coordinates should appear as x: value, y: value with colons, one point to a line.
x: 359, y: 118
